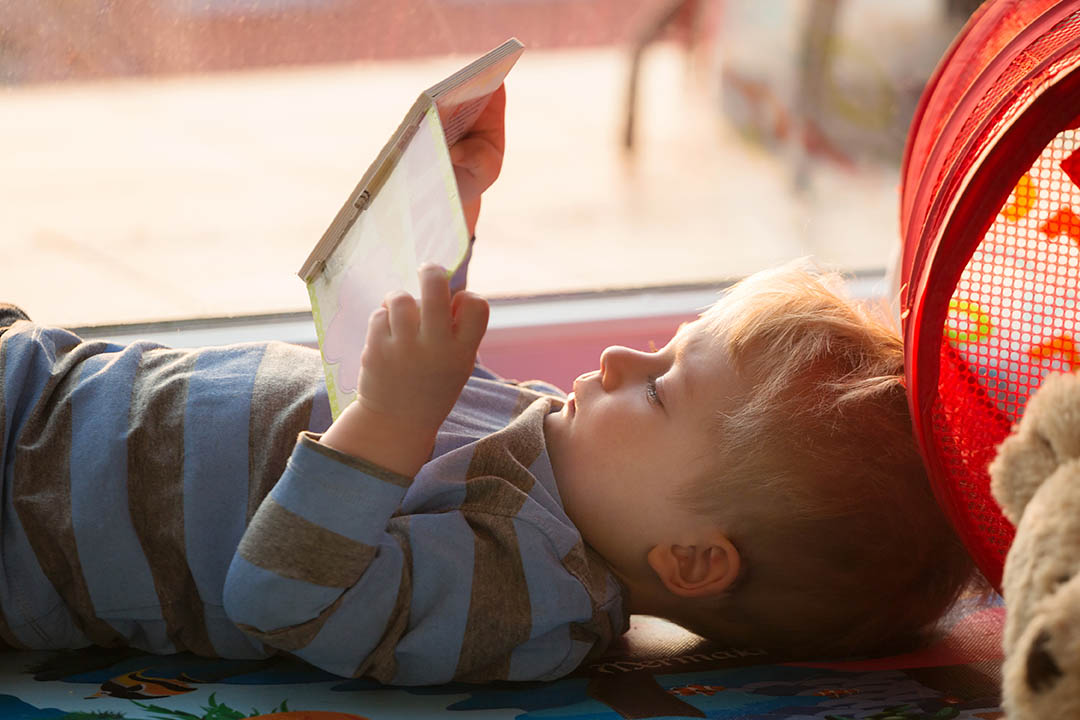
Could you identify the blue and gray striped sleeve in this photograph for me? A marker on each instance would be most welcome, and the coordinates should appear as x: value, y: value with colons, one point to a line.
x: 316, y: 546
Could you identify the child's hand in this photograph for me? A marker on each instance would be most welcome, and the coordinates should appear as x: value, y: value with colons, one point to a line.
x: 416, y: 360
x: 418, y: 355
x: 478, y: 156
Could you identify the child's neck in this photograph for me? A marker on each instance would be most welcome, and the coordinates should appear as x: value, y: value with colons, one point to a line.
x: 649, y: 597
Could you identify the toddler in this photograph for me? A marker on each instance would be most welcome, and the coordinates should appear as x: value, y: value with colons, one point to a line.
x: 754, y: 480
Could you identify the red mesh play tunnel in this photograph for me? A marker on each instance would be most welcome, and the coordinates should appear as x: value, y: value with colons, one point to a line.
x: 990, y: 217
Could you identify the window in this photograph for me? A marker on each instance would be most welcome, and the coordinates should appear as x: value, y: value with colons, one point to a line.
x: 174, y: 159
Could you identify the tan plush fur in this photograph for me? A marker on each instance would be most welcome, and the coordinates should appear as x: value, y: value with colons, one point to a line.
x: 1036, y: 480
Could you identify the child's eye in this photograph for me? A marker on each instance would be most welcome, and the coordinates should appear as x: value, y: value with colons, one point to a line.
x: 650, y: 392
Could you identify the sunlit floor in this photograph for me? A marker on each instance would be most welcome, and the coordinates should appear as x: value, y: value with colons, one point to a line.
x: 201, y: 196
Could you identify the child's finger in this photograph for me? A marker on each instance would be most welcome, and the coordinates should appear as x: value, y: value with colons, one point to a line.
x: 471, y: 153
x: 434, y: 299
x: 479, y: 160
x: 492, y: 121
x: 404, y: 314
x: 470, y: 317
x: 479, y: 154
x: 378, y: 325
x: 378, y: 331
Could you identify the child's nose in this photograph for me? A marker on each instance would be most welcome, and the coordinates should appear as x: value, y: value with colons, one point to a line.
x: 616, y: 364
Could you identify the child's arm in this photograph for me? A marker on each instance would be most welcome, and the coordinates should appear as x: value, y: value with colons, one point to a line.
x: 319, y: 572
x: 415, y: 362
x: 478, y: 156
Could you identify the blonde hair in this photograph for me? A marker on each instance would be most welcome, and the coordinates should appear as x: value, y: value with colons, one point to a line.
x: 818, y: 481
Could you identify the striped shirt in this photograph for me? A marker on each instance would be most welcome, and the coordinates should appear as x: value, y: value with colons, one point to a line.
x: 160, y: 499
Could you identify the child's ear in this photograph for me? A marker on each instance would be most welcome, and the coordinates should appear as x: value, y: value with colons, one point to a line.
x: 700, y: 570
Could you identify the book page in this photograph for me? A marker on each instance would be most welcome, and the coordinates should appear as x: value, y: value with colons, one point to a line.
x: 414, y: 218
x: 459, y: 106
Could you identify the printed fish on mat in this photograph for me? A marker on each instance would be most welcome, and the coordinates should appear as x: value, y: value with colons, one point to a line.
x: 137, y: 685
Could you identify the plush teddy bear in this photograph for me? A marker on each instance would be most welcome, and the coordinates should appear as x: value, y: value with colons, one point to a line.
x: 1036, y: 480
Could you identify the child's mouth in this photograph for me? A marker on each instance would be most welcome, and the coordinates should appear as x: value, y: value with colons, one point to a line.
x: 571, y: 406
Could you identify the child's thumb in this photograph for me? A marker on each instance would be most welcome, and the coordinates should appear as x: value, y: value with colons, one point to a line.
x: 462, y: 155
x: 470, y: 314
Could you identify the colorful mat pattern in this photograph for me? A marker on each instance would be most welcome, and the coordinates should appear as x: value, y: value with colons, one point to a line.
x: 657, y: 670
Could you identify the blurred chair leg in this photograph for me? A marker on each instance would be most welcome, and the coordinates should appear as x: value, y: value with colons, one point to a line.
x: 656, y: 24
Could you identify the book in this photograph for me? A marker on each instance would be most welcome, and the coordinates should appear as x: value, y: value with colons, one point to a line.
x: 405, y: 211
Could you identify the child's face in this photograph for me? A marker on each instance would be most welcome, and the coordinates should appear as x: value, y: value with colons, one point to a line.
x: 632, y: 434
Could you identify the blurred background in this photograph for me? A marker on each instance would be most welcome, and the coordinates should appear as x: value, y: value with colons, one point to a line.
x: 168, y: 159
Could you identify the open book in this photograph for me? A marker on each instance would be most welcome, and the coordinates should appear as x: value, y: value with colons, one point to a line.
x: 404, y: 212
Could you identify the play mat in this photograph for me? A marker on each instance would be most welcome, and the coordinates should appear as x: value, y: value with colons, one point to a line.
x: 656, y: 670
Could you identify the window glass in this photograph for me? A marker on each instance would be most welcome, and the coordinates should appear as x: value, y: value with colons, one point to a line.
x: 180, y: 158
